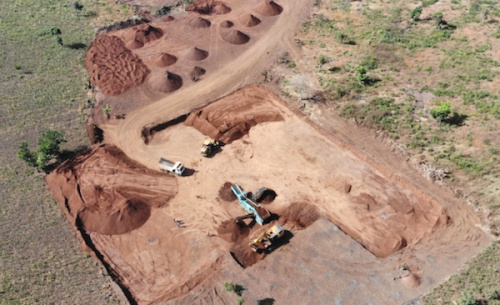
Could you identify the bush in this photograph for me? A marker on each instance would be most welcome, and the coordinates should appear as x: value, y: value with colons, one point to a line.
x: 415, y: 14
x: 442, y: 112
x: 466, y: 299
x: 236, y: 288
x: 48, y: 148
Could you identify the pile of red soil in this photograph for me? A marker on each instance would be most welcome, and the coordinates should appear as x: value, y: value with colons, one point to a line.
x: 299, y: 215
x: 235, y: 37
x: 226, y: 24
x: 226, y: 193
x: 249, y: 20
x: 230, y: 231
x: 268, y: 8
x: 138, y: 36
x: 165, y: 81
x: 210, y: 7
x: 197, y: 72
x: 232, y: 117
x: 104, y: 191
x: 195, y: 54
x: 200, y: 22
x: 164, y: 59
x: 112, y: 67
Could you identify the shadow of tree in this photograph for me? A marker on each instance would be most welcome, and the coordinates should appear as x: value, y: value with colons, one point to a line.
x: 266, y: 301
x: 456, y: 119
x: 76, y: 46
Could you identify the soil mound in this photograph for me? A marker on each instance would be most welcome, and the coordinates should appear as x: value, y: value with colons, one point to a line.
x: 210, y: 7
x: 230, y: 118
x: 249, y: 20
x: 165, y: 59
x: 268, y: 8
x: 104, y: 191
x: 112, y: 67
x: 410, y: 279
x: 230, y: 231
x: 197, y: 72
x: 225, y: 192
x: 235, y: 37
x: 165, y: 82
x: 226, y: 24
x: 200, y: 22
x: 196, y: 54
x: 299, y: 215
x: 167, y: 18
x: 125, y: 217
x: 140, y: 35
x: 245, y: 256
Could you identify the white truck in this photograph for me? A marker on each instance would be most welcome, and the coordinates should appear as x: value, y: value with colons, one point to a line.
x: 171, y: 167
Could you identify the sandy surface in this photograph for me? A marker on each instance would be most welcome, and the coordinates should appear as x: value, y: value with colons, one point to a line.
x: 354, y: 212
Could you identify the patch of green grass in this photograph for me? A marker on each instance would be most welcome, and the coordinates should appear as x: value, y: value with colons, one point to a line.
x: 480, y: 279
x: 43, y: 85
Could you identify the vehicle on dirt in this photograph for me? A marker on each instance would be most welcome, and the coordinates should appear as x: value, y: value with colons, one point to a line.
x: 171, y: 167
x: 264, y: 241
x: 209, y: 147
x: 261, y: 214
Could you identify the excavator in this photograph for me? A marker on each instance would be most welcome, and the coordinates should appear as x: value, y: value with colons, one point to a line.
x: 266, y: 239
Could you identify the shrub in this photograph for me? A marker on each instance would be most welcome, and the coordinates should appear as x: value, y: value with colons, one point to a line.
x: 236, y: 288
x: 48, y: 148
x: 466, y: 299
x: 415, y: 14
x: 442, y: 112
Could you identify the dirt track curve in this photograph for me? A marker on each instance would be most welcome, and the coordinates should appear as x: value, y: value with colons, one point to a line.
x: 127, y: 133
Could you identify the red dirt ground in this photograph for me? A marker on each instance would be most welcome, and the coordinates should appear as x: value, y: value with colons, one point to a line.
x: 335, y: 176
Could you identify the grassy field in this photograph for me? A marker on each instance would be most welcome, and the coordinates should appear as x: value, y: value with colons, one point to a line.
x: 43, y: 87
x: 427, y: 73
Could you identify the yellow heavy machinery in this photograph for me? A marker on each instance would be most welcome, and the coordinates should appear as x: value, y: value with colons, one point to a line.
x: 267, y: 239
x: 209, y: 147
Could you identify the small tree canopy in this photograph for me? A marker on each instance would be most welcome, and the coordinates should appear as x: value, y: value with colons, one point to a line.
x: 442, y: 112
x: 48, y: 149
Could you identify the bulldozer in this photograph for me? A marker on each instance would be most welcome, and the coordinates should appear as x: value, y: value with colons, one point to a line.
x: 209, y: 147
x: 266, y: 239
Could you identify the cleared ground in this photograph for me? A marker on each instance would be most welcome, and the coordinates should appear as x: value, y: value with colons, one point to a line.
x: 392, y: 216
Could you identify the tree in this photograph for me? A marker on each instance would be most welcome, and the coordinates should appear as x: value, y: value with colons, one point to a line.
x: 48, y: 148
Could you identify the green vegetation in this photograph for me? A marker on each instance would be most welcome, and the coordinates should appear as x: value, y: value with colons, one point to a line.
x: 442, y: 112
x: 43, y: 88
x: 429, y: 81
x: 237, y: 289
x: 48, y: 149
x: 477, y: 284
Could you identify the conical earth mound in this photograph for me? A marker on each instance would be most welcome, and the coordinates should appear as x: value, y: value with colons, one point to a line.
x: 165, y: 59
x: 138, y: 36
x: 197, y: 72
x: 226, y: 24
x: 235, y: 37
x: 211, y: 7
x: 167, y: 18
x: 196, y: 54
x: 165, y: 82
x: 268, y: 8
x: 200, y: 22
x: 249, y: 20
